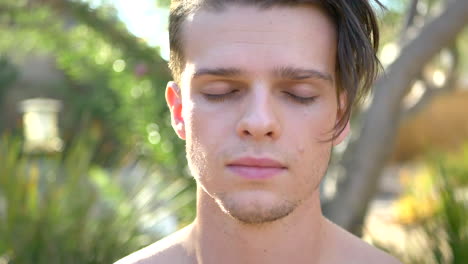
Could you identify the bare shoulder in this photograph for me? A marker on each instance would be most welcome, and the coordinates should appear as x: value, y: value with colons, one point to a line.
x: 170, y: 249
x: 351, y: 249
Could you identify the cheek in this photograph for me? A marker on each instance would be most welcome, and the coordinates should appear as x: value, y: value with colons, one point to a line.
x: 311, y: 153
x: 309, y: 128
x: 312, y: 163
x: 204, y: 127
x: 203, y: 142
x: 320, y: 120
x: 313, y: 157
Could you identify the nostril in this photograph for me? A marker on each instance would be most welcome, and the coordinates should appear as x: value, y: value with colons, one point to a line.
x: 250, y: 133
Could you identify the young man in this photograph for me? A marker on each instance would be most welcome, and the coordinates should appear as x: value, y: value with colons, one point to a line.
x: 262, y: 93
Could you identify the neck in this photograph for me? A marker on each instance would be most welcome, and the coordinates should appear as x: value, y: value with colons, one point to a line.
x: 297, y: 238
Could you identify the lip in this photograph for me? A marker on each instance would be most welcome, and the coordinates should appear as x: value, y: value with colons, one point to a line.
x: 256, y: 168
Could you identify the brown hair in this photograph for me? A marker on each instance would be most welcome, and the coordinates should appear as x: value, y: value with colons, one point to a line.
x: 358, y: 40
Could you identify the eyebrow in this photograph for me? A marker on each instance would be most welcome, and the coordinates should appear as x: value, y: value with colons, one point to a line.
x: 221, y: 72
x: 297, y: 74
x: 290, y: 73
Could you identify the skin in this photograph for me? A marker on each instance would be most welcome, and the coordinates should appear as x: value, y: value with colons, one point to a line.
x: 258, y: 83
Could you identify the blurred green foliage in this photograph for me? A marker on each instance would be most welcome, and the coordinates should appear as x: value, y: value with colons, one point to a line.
x: 111, y: 76
x: 444, y: 227
x: 60, y: 208
x: 451, y: 221
x: 77, y: 207
x: 8, y: 74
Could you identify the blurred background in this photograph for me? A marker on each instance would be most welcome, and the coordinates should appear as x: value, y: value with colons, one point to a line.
x: 91, y: 170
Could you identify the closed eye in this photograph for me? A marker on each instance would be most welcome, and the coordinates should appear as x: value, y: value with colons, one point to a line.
x: 220, y: 97
x: 300, y: 99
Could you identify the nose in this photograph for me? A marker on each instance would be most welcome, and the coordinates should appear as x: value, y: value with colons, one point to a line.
x: 259, y: 120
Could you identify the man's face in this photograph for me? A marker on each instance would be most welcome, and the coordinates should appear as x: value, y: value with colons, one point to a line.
x: 256, y: 106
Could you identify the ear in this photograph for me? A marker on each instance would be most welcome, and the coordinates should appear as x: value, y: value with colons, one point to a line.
x: 340, y: 137
x: 174, y: 102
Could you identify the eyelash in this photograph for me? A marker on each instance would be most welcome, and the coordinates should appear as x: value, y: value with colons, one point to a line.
x: 301, y: 100
x: 220, y: 97
x: 295, y: 98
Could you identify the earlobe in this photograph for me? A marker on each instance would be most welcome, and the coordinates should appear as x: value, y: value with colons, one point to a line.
x: 174, y: 102
x: 340, y: 137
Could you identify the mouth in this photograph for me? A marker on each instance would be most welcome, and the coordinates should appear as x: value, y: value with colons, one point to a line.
x: 256, y: 168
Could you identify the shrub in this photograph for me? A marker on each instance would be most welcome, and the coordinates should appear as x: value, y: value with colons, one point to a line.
x: 61, y: 208
x: 443, y: 188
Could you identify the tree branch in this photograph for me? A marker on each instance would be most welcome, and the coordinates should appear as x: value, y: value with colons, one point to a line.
x: 411, y: 14
x: 432, y: 90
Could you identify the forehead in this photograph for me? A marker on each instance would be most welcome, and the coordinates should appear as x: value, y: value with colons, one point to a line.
x: 257, y: 40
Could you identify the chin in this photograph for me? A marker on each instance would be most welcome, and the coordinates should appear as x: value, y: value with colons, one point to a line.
x: 255, y: 207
